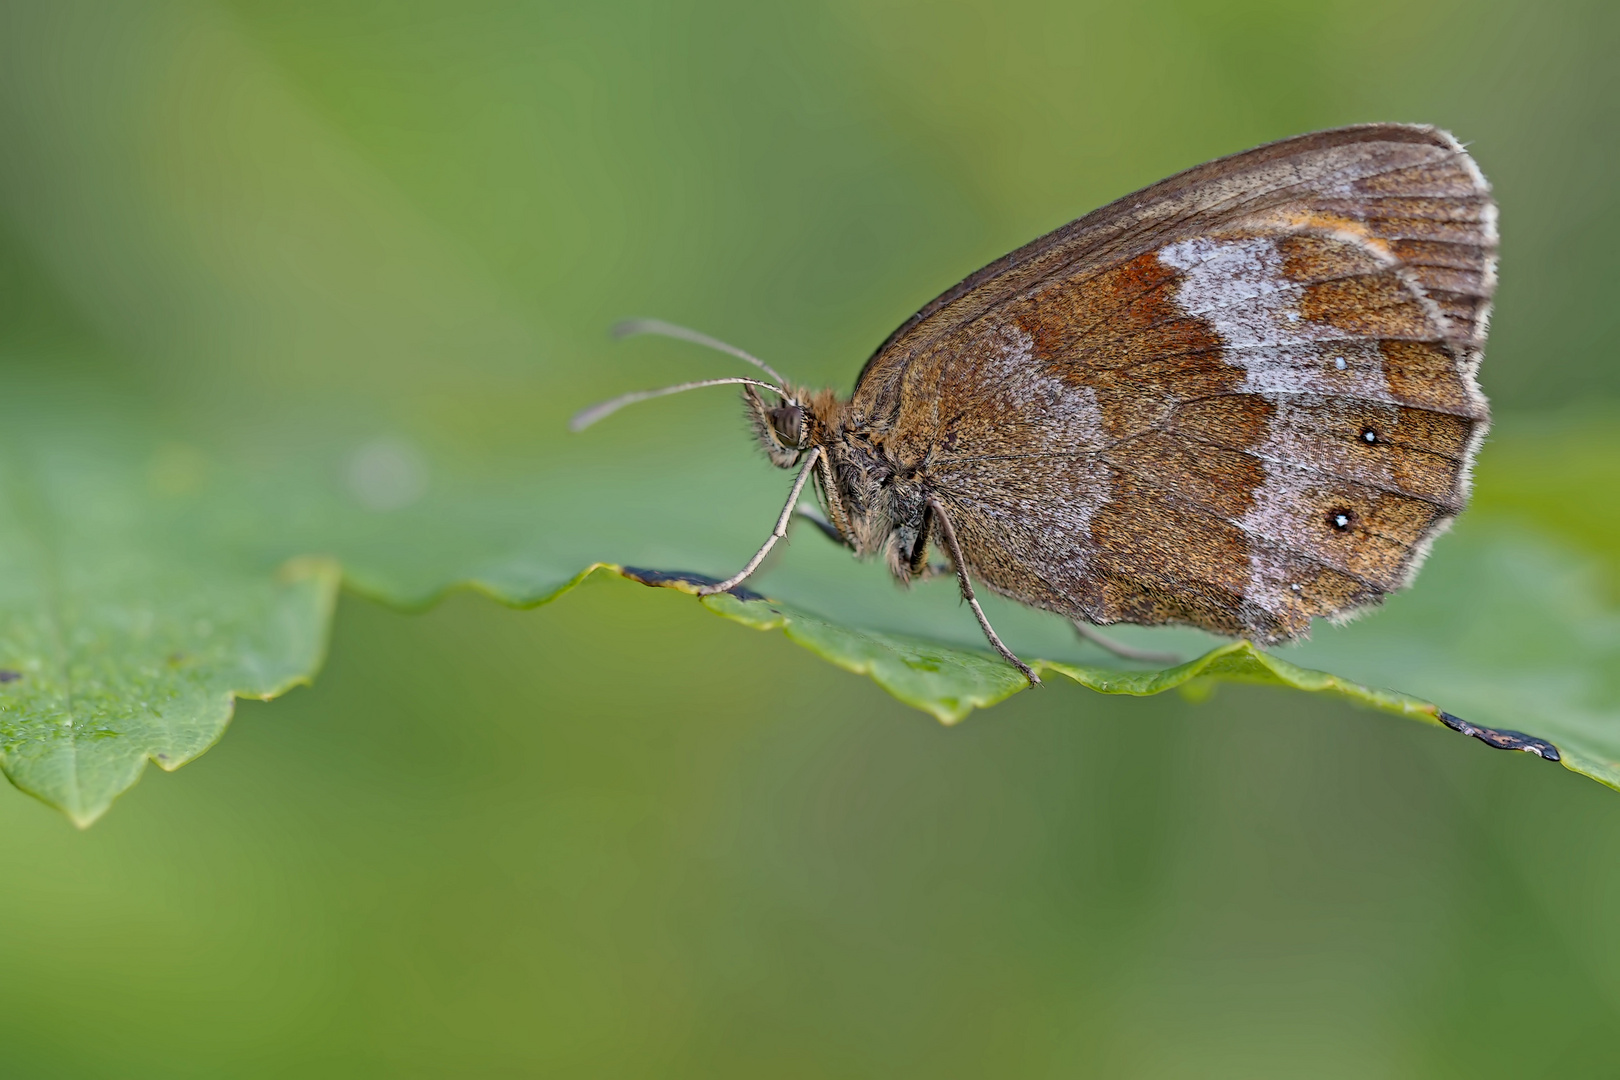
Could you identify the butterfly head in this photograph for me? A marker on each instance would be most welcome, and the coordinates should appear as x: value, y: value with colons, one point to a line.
x: 783, y: 427
x: 788, y: 427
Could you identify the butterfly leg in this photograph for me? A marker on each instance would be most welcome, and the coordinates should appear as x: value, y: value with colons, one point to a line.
x: 837, y: 516
x: 776, y: 534
x: 948, y: 534
x: 1119, y: 649
x: 921, y: 568
x: 918, y: 560
x: 819, y: 520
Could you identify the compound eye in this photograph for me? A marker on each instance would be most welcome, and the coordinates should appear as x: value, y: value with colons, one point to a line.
x: 788, y: 424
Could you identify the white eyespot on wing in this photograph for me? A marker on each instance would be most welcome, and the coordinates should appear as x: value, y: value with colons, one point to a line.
x: 1240, y: 289
x: 1280, y: 527
x: 1345, y: 368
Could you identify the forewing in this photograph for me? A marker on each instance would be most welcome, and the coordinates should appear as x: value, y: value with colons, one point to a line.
x: 1240, y: 399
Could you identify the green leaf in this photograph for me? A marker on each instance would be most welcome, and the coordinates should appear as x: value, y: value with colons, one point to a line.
x: 147, y: 582
x: 1555, y: 682
x: 125, y: 634
x: 951, y: 682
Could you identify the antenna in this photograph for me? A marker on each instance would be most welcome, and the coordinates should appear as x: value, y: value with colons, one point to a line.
x: 632, y: 327
x: 586, y: 417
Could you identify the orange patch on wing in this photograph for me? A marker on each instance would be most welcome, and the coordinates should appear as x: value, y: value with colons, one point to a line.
x: 1122, y: 334
x: 1223, y: 481
x: 1160, y: 562
x: 1377, y: 305
x: 1123, y: 315
x: 1425, y: 374
x: 1235, y: 421
x: 1312, y: 258
x: 1285, y: 222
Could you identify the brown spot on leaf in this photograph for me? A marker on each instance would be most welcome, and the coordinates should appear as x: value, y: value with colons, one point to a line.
x: 683, y: 580
x: 1502, y: 738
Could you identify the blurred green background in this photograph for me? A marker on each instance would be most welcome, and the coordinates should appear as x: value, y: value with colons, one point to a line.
x: 615, y: 836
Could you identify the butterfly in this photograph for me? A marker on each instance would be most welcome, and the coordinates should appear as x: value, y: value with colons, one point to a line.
x: 1240, y: 399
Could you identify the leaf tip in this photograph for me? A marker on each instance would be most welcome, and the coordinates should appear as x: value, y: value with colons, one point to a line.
x: 83, y: 821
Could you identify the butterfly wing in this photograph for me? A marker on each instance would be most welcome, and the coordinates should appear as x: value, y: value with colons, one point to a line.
x: 1239, y: 399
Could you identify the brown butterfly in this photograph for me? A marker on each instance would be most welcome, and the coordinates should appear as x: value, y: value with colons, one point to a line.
x: 1239, y: 399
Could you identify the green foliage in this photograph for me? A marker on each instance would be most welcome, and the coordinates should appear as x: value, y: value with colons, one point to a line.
x: 1555, y: 676
x: 951, y: 682
x: 150, y: 582
x: 126, y: 630
x: 352, y: 389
